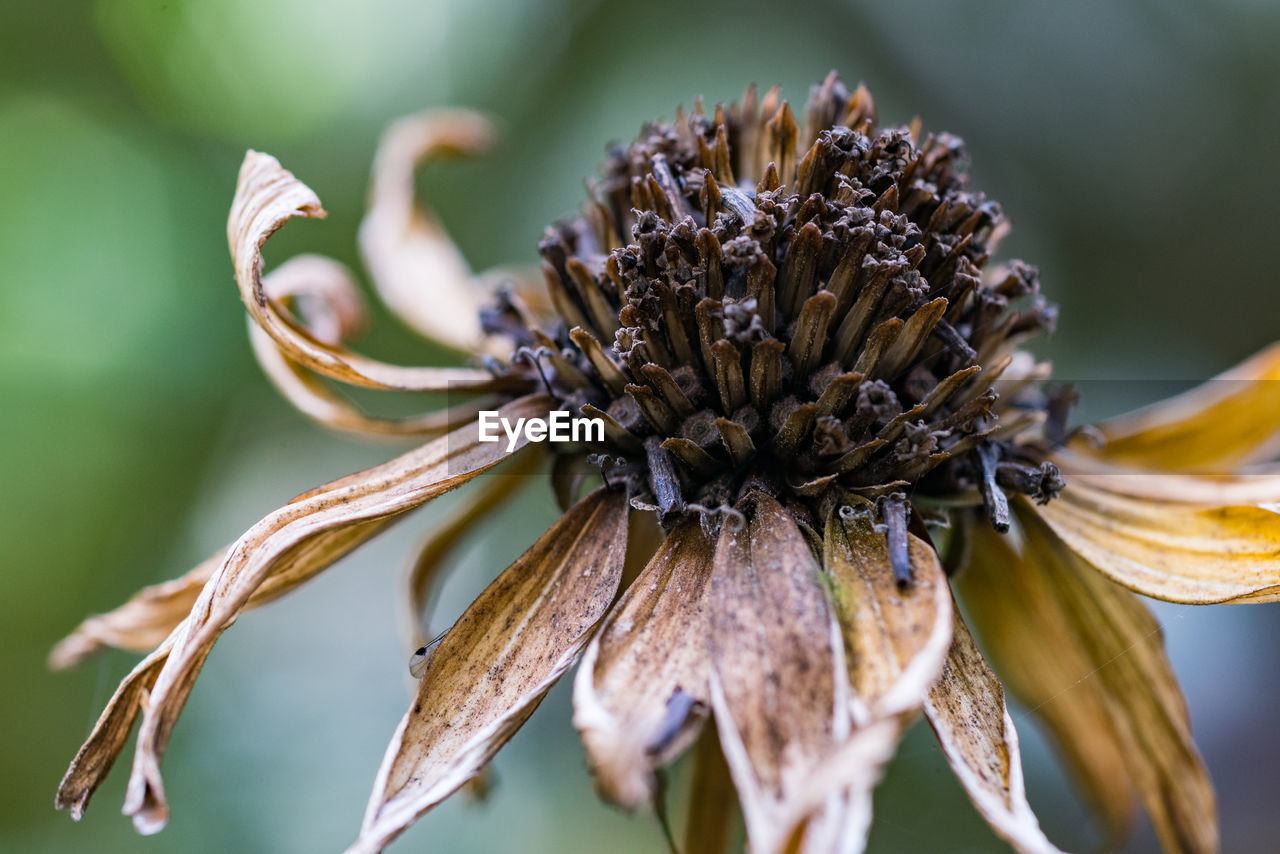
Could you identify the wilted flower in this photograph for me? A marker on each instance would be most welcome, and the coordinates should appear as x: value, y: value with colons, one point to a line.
x: 812, y: 391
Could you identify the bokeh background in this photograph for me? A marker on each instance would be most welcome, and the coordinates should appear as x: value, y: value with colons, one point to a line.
x: 1132, y: 143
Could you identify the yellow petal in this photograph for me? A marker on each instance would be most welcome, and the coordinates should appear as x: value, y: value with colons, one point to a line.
x: 1259, y: 486
x: 966, y: 709
x: 309, y: 533
x: 496, y: 663
x: 640, y: 695
x: 778, y: 684
x: 1110, y: 674
x: 417, y: 269
x: 1232, y: 419
x: 1036, y: 649
x: 268, y: 196
x: 895, y: 640
x: 1169, y: 549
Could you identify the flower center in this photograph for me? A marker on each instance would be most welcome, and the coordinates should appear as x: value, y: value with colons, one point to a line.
x: 816, y: 325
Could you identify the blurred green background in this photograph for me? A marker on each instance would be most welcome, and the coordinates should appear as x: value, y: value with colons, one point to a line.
x: 1133, y: 145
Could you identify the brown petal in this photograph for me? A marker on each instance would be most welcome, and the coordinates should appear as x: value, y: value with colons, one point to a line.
x: 493, y: 491
x: 712, y: 800
x: 417, y: 269
x: 98, y: 753
x: 268, y: 196
x: 1089, y: 658
x: 495, y: 664
x: 140, y: 624
x: 142, y: 618
x: 1233, y: 418
x: 276, y: 546
x: 640, y: 695
x: 967, y: 712
x: 895, y: 640
x: 1169, y: 549
x: 323, y: 297
x: 1036, y: 649
x: 778, y: 684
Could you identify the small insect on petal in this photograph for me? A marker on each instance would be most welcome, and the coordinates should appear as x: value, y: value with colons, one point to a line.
x: 422, y: 656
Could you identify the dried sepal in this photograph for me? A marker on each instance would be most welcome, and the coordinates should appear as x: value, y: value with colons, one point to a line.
x: 967, y: 711
x: 496, y: 663
x: 640, y: 695
x: 268, y: 196
x: 354, y: 503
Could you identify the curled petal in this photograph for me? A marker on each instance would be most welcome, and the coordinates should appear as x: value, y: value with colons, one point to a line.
x: 140, y: 624
x: 1087, y: 656
x: 640, y: 695
x: 96, y: 756
x: 270, y: 553
x: 967, y: 712
x: 417, y: 269
x: 153, y: 613
x: 1228, y: 421
x: 895, y: 639
x: 268, y: 196
x: 1168, y: 549
x: 494, y: 666
x: 324, y: 298
x: 778, y: 685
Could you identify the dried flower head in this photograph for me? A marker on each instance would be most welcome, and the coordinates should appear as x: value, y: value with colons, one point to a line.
x: 818, y: 429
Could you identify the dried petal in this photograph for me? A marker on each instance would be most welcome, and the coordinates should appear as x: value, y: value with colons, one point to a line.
x: 1230, y: 420
x: 417, y: 269
x: 493, y: 667
x: 1260, y: 486
x: 777, y: 686
x: 268, y: 196
x: 895, y: 639
x: 1169, y: 549
x: 370, y: 498
x: 966, y: 709
x: 98, y: 753
x: 1088, y: 656
x: 1037, y: 651
x: 140, y: 624
x: 712, y: 801
x: 494, y: 490
x: 640, y: 695
x: 325, y: 299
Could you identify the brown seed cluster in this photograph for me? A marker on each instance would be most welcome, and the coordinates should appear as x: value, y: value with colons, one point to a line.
x: 743, y: 301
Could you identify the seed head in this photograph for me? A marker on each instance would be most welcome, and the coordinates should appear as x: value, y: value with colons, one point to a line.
x: 749, y: 303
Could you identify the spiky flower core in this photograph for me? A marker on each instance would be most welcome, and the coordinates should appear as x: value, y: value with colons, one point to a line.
x: 745, y: 305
